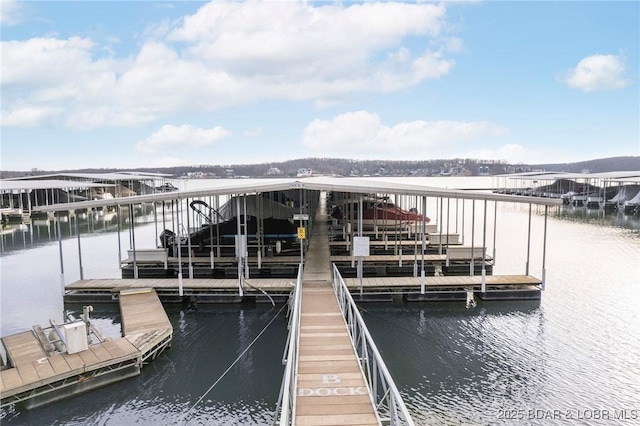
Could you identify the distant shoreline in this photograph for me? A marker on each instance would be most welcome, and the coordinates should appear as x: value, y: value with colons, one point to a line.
x: 360, y: 168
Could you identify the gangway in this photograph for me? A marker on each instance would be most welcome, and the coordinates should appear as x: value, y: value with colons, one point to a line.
x: 333, y: 371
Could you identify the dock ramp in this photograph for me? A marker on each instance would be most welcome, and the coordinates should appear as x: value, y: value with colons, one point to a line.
x: 327, y: 379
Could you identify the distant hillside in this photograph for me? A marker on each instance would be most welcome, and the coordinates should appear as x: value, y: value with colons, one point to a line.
x: 344, y: 167
x: 596, y: 166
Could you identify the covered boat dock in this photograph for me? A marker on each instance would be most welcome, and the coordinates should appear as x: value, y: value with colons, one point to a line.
x: 420, y: 260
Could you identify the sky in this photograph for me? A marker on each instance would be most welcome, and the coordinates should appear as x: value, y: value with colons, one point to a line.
x: 124, y: 84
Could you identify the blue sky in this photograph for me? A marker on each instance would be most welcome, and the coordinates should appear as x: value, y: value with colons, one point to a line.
x: 159, y: 83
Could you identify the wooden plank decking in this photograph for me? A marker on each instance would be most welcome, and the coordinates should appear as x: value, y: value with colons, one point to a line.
x: 331, y: 387
x: 142, y: 312
x: 218, y: 284
x: 32, y: 373
x: 23, y: 348
x: 29, y: 374
x: 284, y: 284
x: 160, y: 283
x: 444, y: 281
x: 144, y: 321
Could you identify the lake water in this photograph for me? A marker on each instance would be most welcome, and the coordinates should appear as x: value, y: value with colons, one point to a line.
x: 572, y: 358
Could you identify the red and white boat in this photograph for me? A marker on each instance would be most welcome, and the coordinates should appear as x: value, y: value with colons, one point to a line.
x: 380, y: 213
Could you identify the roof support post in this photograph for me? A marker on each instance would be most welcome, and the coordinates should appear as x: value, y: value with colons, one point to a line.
x: 544, y: 247
x: 360, y: 218
x: 239, y: 245
x: 177, y: 235
x: 155, y: 220
x: 245, y: 252
x: 495, y: 229
x: 484, y: 249
x: 457, y: 215
x: 415, y: 238
x: 79, y: 248
x: 448, y: 215
x: 133, y: 240
x: 528, y: 241
x: 57, y: 218
x: 189, y: 243
x: 424, y: 241
x: 473, y: 237
x: 118, y: 231
x: 463, y: 220
x: 441, y: 223
x: 212, y: 257
x: 218, y: 227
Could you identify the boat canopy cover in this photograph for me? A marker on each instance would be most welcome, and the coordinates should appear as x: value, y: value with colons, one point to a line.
x: 270, y: 209
x: 627, y: 192
x: 634, y: 201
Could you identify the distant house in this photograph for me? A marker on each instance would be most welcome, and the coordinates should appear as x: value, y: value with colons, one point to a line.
x: 304, y: 172
x: 274, y: 171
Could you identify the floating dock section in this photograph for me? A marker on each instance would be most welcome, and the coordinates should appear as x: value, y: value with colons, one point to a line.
x: 37, y: 374
x: 497, y: 287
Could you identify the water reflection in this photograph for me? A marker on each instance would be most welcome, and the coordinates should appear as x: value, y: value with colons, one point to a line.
x: 493, y: 353
x: 38, y: 232
x: 598, y: 217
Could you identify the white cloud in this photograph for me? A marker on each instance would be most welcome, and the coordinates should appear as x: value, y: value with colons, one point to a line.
x: 28, y: 117
x: 362, y: 133
x: 185, y: 136
x: 227, y: 54
x: 11, y: 12
x: 45, y: 62
x: 295, y: 50
x: 598, y: 72
x: 61, y: 75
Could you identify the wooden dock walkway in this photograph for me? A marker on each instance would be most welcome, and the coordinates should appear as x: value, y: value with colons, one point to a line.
x: 283, y: 286
x: 198, y: 284
x: 331, y: 386
x: 36, y: 377
x: 465, y: 281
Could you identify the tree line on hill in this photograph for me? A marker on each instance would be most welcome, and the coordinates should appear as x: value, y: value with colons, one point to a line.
x: 346, y: 167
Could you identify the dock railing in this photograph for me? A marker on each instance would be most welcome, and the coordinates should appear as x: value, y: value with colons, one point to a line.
x: 285, y: 411
x: 384, y: 394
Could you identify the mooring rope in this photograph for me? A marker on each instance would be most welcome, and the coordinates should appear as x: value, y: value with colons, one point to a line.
x: 186, y: 415
x: 259, y: 289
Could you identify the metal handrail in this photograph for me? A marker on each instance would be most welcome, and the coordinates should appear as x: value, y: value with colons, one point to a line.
x: 384, y: 394
x: 285, y: 410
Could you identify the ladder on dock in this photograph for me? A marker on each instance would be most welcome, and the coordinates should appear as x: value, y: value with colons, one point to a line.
x: 334, y: 374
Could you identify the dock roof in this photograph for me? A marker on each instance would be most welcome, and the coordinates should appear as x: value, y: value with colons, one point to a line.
x: 115, y: 177
x: 28, y: 185
x: 564, y: 175
x: 254, y: 186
